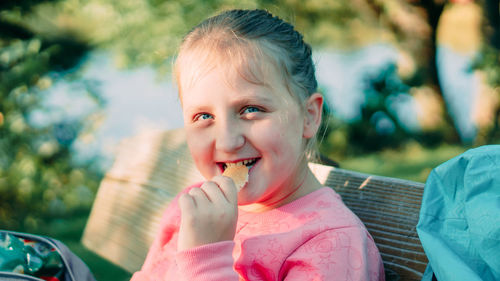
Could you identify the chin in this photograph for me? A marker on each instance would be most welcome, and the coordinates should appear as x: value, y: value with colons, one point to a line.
x: 243, y: 199
x: 246, y: 199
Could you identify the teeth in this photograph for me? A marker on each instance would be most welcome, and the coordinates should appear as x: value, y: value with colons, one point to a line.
x: 234, y: 164
x: 244, y: 162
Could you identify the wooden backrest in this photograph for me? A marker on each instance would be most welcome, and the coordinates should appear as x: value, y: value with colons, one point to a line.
x: 151, y: 169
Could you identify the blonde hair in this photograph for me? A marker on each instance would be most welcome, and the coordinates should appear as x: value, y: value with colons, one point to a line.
x: 239, y: 40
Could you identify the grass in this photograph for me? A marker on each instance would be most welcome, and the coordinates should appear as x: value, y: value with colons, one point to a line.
x: 102, y: 269
x: 413, y: 162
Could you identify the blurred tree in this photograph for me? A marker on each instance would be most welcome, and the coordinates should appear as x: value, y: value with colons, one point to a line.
x: 38, y: 179
x: 418, y: 29
x: 378, y: 126
x: 489, y: 59
x: 148, y: 32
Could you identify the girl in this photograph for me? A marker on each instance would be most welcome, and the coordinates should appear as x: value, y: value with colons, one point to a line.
x: 248, y: 92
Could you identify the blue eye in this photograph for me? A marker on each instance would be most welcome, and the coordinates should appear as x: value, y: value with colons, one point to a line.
x: 251, y: 109
x: 203, y: 116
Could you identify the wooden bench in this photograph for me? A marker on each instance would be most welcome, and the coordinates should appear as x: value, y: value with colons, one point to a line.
x: 150, y: 169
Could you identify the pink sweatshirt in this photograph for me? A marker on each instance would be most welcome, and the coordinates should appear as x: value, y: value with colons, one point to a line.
x: 315, y: 237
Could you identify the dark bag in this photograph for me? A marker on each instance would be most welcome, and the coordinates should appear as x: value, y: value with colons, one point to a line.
x: 21, y: 252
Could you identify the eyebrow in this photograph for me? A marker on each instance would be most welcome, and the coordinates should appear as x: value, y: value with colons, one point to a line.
x: 253, y: 98
x: 197, y: 109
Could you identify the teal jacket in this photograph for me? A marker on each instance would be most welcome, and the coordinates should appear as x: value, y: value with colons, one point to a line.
x: 459, y: 224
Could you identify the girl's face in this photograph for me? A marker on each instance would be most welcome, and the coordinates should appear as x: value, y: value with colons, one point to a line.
x: 228, y: 120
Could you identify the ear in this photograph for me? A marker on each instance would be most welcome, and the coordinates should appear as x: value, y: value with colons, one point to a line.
x: 312, y: 116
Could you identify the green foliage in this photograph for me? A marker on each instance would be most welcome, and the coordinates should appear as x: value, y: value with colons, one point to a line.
x: 489, y: 62
x: 148, y: 32
x: 378, y: 126
x: 38, y: 179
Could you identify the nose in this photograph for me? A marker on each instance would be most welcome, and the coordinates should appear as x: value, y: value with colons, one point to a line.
x: 229, y: 136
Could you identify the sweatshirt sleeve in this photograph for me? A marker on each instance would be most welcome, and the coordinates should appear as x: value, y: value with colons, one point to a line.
x: 336, y: 254
x: 209, y: 262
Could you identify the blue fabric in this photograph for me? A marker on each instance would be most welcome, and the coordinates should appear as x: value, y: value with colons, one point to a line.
x: 459, y: 224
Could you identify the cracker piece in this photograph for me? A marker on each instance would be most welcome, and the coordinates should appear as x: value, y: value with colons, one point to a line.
x: 239, y: 174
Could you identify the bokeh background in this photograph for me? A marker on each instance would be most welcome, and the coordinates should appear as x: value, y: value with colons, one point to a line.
x: 409, y: 84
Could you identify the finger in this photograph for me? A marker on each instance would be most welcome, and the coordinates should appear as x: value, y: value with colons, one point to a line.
x: 186, y: 203
x: 213, y: 192
x: 199, y: 196
x: 228, y: 188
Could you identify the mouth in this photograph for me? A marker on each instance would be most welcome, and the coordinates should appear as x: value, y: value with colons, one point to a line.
x: 247, y: 162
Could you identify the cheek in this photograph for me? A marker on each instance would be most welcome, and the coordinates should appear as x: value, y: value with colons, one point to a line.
x: 282, y: 136
x: 199, y: 147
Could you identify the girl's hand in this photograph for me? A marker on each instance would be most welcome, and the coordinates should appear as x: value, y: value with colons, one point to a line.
x: 208, y: 214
